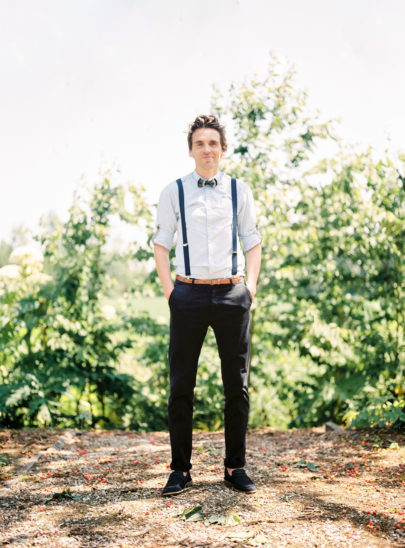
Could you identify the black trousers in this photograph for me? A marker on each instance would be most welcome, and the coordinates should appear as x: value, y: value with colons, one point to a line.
x: 193, y: 308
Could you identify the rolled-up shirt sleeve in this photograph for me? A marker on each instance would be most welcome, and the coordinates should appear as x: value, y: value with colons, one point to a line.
x: 166, y: 219
x: 247, y: 223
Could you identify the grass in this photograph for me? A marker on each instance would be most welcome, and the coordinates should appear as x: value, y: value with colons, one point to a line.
x: 156, y: 306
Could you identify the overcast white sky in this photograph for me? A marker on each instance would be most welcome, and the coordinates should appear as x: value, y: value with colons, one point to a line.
x: 92, y: 84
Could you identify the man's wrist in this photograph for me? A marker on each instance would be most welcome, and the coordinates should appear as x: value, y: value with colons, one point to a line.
x: 168, y: 291
x: 252, y: 288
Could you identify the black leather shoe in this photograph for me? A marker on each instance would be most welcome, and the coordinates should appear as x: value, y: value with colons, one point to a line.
x: 176, y: 483
x: 240, y: 481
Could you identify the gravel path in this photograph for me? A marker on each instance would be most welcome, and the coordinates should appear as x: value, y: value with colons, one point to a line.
x: 102, y: 488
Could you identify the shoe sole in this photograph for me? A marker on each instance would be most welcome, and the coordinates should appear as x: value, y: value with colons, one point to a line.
x: 232, y: 486
x: 171, y: 493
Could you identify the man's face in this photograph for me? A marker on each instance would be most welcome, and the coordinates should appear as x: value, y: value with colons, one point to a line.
x: 206, y: 150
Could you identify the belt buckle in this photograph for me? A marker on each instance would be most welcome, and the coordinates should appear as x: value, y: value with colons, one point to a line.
x: 211, y: 282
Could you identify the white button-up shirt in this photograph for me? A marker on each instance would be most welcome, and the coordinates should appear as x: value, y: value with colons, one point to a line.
x: 208, y: 212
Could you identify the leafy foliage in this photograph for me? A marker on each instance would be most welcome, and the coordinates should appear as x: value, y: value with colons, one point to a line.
x: 59, y: 346
x: 332, y: 282
x: 328, y: 327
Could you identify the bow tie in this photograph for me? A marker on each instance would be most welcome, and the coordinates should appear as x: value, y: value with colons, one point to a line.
x: 203, y: 182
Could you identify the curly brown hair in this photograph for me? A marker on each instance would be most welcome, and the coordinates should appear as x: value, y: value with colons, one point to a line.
x: 210, y: 121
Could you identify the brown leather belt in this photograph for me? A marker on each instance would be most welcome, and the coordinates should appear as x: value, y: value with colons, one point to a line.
x: 219, y: 281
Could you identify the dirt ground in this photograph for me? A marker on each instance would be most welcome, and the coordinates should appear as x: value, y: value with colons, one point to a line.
x: 103, y: 488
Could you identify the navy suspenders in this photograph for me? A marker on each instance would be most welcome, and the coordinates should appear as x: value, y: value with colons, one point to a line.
x: 234, y: 227
x: 183, y: 228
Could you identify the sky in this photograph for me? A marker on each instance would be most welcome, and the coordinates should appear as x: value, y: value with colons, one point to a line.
x: 92, y: 85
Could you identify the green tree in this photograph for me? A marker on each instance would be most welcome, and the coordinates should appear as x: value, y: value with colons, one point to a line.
x: 59, y: 345
x: 331, y: 293
x: 5, y: 252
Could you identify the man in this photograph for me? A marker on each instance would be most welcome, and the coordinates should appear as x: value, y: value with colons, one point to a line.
x: 208, y: 209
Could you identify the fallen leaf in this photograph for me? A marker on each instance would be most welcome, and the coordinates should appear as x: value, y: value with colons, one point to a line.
x: 258, y: 540
x: 304, y: 464
x: 192, y: 514
x: 241, y: 536
x: 4, y: 459
x: 66, y: 494
x: 215, y: 519
x: 233, y: 519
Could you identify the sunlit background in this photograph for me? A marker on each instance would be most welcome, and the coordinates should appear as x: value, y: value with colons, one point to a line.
x: 91, y: 85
